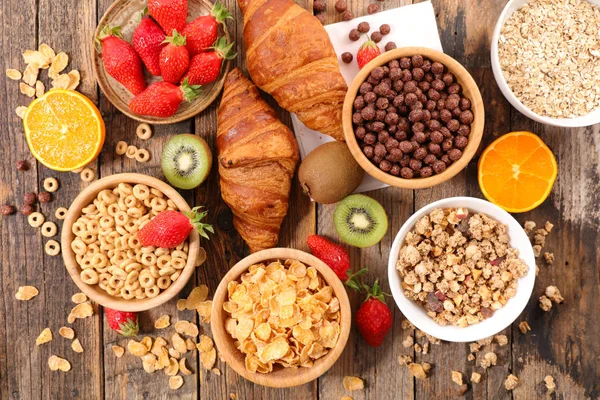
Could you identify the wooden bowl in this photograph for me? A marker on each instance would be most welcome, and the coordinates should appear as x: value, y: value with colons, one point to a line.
x: 280, y: 377
x: 125, y: 13
x: 93, y: 291
x: 470, y: 90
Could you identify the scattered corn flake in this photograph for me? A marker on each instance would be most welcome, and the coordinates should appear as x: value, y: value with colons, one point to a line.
x: 118, y: 350
x: 174, y: 353
x: 204, y: 310
x: 74, y: 79
x: 14, y: 74
x: 216, y: 371
x: 162, y: 322
x: 181, y: 304
x: 30, y: 74
x: 136, y: 348
x: 197, y: 295
x: 79, y: 298
x: 417, y: 370
x: 47, y: 52
x: 178, y: 343
x: 76, y: 346
x: 66, y: 332
x: 26, y: 89
x: 147, y: 341
x: 183, y: 368
x: 205, y: 344
x: 71, y: 318
x: 187, y: 328
x: 62, y: 81
x: 175, y: 382
x: 26, y: 292
x: 35, y: 57
x: 44, y: 337
x: 208, y: 358
x: 149, y: 363
x: 353, y: 383
x: 189, y: 343
x: 40, y: 89
x: 82, y: 310
x: 173, y: 367
x: 475, y: 377
x: 20, y: 111
x: 58, y: 364
x: 60, y: 62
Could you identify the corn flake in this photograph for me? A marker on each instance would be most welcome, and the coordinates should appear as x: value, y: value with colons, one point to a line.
x: 162, y: 322
x: 30, y: 74
x: 187, y: 328
x: 197, y: 295
x: 13, y: 74
x: 353, y: 383
x: 20, y: 111
x: 35, y: 57
x: 183, y: 368
x: 58, y: 364
x: 26, y: 89
x: 205, y: 344
x: 174, y: 353
x: 204, y: 310
x: 61, y: 81
x: 44, y: 337
x: 26, y: 293
x: 76, y: 346
x: 59, y: 63
x: 181, y: 304
x: 74, y: 79
x: 118, y: 350
x: 173, y: 367
x: 208, y: 358
x: 79, y: 298
x: 216, y: 371
x: 66, y: 332
x: 47, y: 52
x: 136, y: 348
x: 178, y: 344
x: 82, y: 310
x: 40, y: 89
x: 147, y: 342
x: 175, y: 382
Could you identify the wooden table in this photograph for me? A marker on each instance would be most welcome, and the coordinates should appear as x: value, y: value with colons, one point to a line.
x: 563, y: 343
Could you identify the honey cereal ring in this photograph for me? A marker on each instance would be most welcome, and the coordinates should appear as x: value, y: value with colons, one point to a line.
x: 99, y: 260
x: 158, y: 204
x: 163, y: 282
x: 131, y: 151
x: 60, y: 213
x: 146, y: 280
x: 178, y: 263
x: 136, y: 212
x: 133, y: 267
x: 144, y: 131
x: 139, y: 293
x: 107, y: 196
x: 89, y: 238
x: 134, y: 243
x: 106, y: 222
x: 125, y: 189
x: 121, y: 218
x: 87, y: 175
x: 121, y: 148
x: 89, y: 276
x: 142, y: 155
x: 175, y: 276
x: 116, y: 282
x: 113, y: 291
x: 112, y: 209
x: 152, y: 291
x: 163, y: 260
x: 154, y: 271
x: 127, y: 293
x: 132, y: 277
x: 179, y: 254
x: 89, y: 210
x: 52, y: 248
x: 148, y: 259
x: 49, y: 229
x: 131, y: 226
x: 156, y: 193
x: 93, y: 226
x: 50, y: 185
x: 141, y: 192
x: 133, y: 286
x: 166, y: 271
x: 36, y: 219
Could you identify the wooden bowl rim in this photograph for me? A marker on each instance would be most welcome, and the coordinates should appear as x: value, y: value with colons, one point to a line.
x: 463, y: 77
x: 224, y: 341
x: 110, y: 94
x: 94, y: 292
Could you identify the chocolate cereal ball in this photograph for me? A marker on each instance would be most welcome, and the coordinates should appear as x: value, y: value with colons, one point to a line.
x: 347, y: 57
x: 341, y: 6
x: 373, y: 8
x: 364, y: 27
x: 385, y: 29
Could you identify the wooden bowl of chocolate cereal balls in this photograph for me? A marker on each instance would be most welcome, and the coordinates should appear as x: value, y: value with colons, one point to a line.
x: 413, y: 117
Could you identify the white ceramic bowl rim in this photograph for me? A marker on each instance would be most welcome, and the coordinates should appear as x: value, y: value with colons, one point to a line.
x: 583, y: 121
x: 502, y: 317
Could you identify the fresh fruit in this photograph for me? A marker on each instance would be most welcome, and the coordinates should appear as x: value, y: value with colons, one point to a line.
x: 174, y: 58
x: 148, y: 40
x: 120, y: 59
x: 170, y: 228
x: 202, y: 32
x: 330, y: 173
x: 368, y: 51
x: 360, y: 220
x: 122, y: 322
x: 517, y: 171
x: 374, y: 318
x: 64, y: 130
x: 170, y: 14
x: 334, y: 255
x: 162, y: 99
x: 186, y: 161
x: 205, y: 67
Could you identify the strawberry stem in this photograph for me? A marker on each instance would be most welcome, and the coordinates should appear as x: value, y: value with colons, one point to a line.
x: 190, y: 92
x: 176, y: 39
x: 223, y: 49
x: 353, y: 282
x: 105, y: 32
x: 375, y: 292
x: 196, y: 217
x: 220, y: 12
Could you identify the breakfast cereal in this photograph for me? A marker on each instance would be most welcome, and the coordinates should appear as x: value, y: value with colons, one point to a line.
x: 60, y: 213
x: 118, y: 350
x: 131, y: 150
x: 52, y: 247
x: 142, y: 155
x: 511, y: 382
x: 58, y: 364
x: 66, y: 332
x: 175, y: 382
x: 144, y: 131
x: 44, y: 337
x: 183, y: 368
x: 475, y: 377
x: 87, y: 175
x: 352, y: 383
x: 79, y: 298
x: 50, y: 185
x: 49, y: 229
x: 459, y: 267
x: 26, y: 293
x: 76, y: 346
x: 162, y: 322
x: 36, y: 219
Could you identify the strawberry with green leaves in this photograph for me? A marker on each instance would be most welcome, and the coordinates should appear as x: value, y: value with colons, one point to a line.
x: 170, y: 228
x: 147, y: 41
x: 170, y: 14
x: 202, y: 32
x: 174, y: 58
x: 368, y: 51
x: 205, y: 67
x: 120, y: 59
x: 122, y: 322
x: 374, y: 318
x: 162, y: 99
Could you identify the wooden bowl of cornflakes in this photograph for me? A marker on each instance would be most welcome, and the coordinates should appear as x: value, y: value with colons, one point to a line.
x: 289, y: 313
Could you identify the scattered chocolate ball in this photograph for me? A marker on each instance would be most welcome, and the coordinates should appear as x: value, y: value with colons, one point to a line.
x: 22, y: 165
x: 341, y: 6
x: 7, y: 209
x: 29, y: 198
x: 321, y: 18
x: 27, y: 209
x: 364, y: 27
x: 347, y: 57
x: 376, y: 37
x: 373, y: 9
x: 319, y: 5
x: 44, y: 197
x: 385, y: 29
x: 347, y: 16
x: 354, y: 35
x: 390, y: 46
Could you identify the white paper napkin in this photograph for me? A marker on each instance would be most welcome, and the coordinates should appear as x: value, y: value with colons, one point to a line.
x: 412, y: 25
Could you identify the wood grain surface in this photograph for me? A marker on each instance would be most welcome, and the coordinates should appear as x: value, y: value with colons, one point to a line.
x: 562, y: 343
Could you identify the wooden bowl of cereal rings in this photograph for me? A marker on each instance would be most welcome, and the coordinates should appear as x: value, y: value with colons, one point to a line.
x: 311, y: 325
x: 101, y: 251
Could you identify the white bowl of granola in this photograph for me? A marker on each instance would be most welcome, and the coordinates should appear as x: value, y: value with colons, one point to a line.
x: 461, y: 269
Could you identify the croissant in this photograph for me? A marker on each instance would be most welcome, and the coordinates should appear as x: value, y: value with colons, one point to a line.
x: 289, y: 55
x: 257, y: 159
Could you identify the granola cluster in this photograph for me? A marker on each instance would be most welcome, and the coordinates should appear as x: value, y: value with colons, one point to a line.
x: 460, y: 267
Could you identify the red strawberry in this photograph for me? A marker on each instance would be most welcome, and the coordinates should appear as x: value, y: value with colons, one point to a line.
x: 121, y: 60
x: 331, y: 254
x: 368, y: 51
x: 148, y: 40
x: 202, y: 32
x: 122, y: 322
x: 170, y: 228
x: 205, y: 67
x: 162, y: 99
x: 170, y: 14
x: 374, y: 318
x: 174, y: 58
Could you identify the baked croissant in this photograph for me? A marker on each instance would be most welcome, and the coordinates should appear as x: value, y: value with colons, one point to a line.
x: 257, y: 159
x: 289, y: 55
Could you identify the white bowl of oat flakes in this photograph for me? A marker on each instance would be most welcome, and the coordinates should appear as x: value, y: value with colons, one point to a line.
x: 461, y: 269
x: 546, y: 60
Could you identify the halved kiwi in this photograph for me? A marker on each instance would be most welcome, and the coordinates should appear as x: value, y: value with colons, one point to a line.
x: 360, y: 220
x: 186, y: 161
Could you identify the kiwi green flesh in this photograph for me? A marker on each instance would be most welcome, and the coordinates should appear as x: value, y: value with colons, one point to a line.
x: 186, y: 161
x: 360, y: 221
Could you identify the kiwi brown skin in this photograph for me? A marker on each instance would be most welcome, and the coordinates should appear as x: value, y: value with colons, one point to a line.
x: 330, y: 173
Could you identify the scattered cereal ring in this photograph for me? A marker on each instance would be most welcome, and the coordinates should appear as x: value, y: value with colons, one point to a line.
x: 142, y: 155
x: 36, y: 219
x: 60, y: 213
x: 144, y: 131
x: 121, y: 148
x: 87, y: 175
x: 52, y: 248
x: 50, y: 185
x: 49, y: 229
x: 131, y: 151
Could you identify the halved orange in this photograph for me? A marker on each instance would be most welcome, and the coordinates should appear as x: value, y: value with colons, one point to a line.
x: 64, y: 130
x: 517, y: 171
